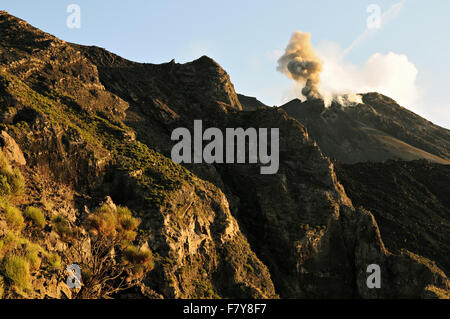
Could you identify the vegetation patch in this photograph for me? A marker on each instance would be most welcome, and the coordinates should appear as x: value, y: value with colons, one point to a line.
x: 139, y: 257
x: 99, y: 130
x: 62, y: 226
x: 11, y: 180
x: 17, y: 269
x: 32, y: 255
x: 14, y: 217
x: 36, y: 216
x: 53, y: 261
x: 114, y: 257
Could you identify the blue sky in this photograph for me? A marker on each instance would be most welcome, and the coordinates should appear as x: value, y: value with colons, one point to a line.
x: 246, y: 36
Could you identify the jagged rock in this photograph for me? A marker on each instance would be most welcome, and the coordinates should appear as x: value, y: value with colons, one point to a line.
x: 109, y: 202
x: 64, y: 291
x: 11, y: 150
x: 250, y: 103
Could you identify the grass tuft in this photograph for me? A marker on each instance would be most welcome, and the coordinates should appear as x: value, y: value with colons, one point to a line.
x: 53, y: 261
x: 62, y: 226
x: 11, y: 180
x: 17, y: 270
x: 14, y: 217
x: 36, y: 216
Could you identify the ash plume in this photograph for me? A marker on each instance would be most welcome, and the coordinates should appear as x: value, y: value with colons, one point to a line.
x: 299, y: 62
x: 324, y: 75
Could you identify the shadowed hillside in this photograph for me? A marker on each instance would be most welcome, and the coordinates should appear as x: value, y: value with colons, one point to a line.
x: 376, y: 130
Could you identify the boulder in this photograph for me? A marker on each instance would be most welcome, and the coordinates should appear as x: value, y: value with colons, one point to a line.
x: 11, y: 150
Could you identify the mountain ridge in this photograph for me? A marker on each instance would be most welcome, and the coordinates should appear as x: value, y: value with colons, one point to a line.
x: 92, y: 125
x: 376, y: 130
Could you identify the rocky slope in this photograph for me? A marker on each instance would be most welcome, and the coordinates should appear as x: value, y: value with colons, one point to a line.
x: 91, y: 124
x: 409, y: 201
x: 375, y: 130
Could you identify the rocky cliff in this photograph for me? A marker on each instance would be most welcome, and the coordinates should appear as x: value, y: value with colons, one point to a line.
x: 81, y: 124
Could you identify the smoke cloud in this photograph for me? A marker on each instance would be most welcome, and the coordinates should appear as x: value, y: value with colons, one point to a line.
x: 299, y: 62
x: 324, y: 74
x: 391, y: 74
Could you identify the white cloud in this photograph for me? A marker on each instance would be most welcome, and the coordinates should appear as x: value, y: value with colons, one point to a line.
x: 391, y: 74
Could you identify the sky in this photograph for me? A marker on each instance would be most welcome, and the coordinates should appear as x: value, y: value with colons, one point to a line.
x: 410, y: 50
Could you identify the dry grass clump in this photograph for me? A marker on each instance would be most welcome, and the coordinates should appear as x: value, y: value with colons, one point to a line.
x: 14, y: 217
x: 62, y: 226
x: 17, y: 270
x: 115, y: 263
x: 11, y: 180
x: 140, y: 259
x: 117, y: 225
x: 36, y: 216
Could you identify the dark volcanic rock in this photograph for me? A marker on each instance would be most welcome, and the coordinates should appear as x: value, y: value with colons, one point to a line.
x: 250, y: 103
x: 409, y: 201
x: 376, y: 130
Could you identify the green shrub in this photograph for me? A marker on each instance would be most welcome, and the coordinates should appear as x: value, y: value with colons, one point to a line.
x: 62, y: 226
x: 11, y: 242
x: 8, y: 242
x: 113, y: 228
x: 4, y: 165
x: 53, y: 260
x: 136, y: 256
x: 36, y: 216
x: 5, y: 189
x: 32, y: 256
x: 128, y: 222
x: 128, y: 236
x: 17, y: 182
x: 103, y: 222
x: 14, y: 217
x: 11, y: 180
x: 123, y: 211
x: 17, y: 269
x: 113, y: 223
